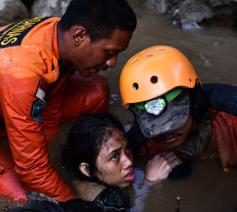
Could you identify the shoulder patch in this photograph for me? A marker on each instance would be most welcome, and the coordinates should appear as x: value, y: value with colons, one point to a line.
x: 39, y: 104
x: 14, y: 33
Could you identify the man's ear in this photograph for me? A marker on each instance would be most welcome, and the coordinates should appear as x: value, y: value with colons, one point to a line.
x: 79, y: 34
x: 84, y: 168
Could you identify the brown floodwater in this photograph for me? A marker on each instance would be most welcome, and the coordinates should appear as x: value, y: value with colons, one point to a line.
x: 213, y: 52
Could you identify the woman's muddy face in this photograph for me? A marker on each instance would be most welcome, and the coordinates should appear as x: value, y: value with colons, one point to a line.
x: 114, y: 162
x: 170, y: 141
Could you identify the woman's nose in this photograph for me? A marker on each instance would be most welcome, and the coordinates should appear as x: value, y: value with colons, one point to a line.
x: 127, y: 160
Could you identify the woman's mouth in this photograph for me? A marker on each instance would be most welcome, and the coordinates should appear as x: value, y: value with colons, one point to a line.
x: 130, y: 177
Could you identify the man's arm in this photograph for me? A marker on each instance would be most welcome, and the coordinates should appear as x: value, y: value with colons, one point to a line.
x: 26, y: 138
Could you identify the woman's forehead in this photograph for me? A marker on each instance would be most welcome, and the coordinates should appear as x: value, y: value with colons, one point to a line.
x: 116, y: 141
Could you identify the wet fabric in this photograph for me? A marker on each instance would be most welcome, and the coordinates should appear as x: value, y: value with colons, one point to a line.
x: 36, y: 93
x: 13, y: 34
x: 214, y: 137
x: 10, y: 186
x: 225, y: 137
x: 113, y: 198
x: 218, y: 139
x: 222, y: 97
x: 38, y: 202
x: 174, y: 117
x: 223, y: 102
x: 197, y: 142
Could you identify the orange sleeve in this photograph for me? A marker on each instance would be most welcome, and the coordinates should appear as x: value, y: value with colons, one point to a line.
x: 26, y: 137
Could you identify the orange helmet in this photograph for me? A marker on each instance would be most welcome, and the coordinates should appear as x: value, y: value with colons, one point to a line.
x: 153, y: 72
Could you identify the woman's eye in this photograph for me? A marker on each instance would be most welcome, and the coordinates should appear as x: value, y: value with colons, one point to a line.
x: 115, y: 157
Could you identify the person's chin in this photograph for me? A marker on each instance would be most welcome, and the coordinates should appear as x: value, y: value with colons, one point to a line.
x: 172, y: 146
x: 89, y: 72
x: 125, y: 184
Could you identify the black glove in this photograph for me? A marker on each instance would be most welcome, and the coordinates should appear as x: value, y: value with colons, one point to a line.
x: 114, y: 199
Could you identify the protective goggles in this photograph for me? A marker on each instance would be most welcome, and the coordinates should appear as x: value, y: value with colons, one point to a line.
x: 158, y: 105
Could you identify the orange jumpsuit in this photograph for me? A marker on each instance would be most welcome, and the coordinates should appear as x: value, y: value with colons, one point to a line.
x: 36, y: 93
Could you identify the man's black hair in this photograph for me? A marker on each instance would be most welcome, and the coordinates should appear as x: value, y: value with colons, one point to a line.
x: 85, y: 140
x: 199, y: 103
x: 99, y: 17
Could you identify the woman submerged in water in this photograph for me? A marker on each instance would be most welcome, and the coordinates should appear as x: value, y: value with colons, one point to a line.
x: 100, y: 163
x: 100, y: 160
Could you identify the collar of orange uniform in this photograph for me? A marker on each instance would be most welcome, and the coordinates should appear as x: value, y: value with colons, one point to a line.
x: 55, y: 41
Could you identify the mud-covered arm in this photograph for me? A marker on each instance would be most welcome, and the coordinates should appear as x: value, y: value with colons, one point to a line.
x: 26, y: 138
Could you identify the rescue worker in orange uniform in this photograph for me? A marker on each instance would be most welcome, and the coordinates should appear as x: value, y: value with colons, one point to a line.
x: 175, y: 112
x: 48, y: 72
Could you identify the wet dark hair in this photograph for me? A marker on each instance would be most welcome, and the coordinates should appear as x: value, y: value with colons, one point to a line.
x: 99, y: 17
x: 199, y: 103
x: 85, y: 140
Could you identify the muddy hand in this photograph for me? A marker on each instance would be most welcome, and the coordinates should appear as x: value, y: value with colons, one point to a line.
x: 159, y: 167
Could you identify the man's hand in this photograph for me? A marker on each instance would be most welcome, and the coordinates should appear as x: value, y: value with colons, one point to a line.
x: 159, y: 167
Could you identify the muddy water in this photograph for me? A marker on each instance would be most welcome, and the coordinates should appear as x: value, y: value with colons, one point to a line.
x: 213, y: 52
